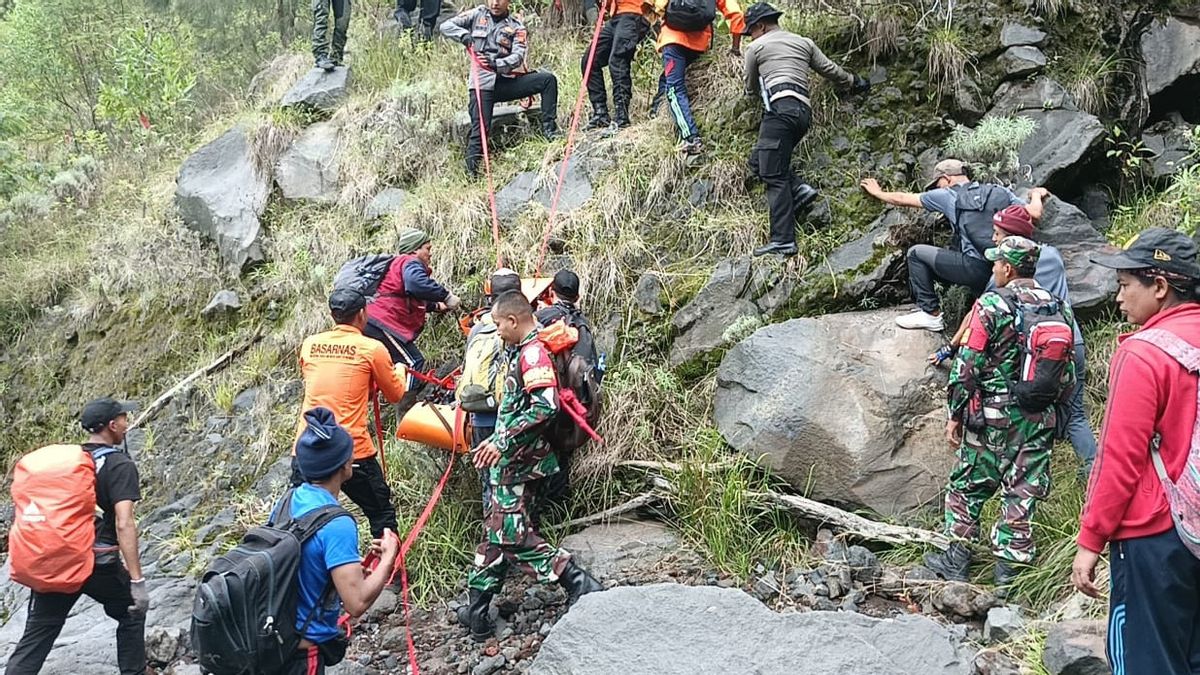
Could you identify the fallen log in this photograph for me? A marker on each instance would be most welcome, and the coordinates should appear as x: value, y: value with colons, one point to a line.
x: 618, y: 510
x: 219, y: 364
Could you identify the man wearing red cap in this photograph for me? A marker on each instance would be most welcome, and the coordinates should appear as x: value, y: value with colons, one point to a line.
x: 1051, y: 274
x: 969, y: 206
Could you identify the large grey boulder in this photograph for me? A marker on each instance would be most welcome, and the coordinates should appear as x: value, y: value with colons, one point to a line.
x: 576, y: 186
x: 613, y: 548
x: 1075, y: 648
x: 843, y: 406
x: 311, y: 168
x: 221, y: 192
x: 1017, y: 35
x: 1068, y: 229
x: 86, y: 644
x: 319, y: 90
x: 668, y: 629
x: 1064, y: 136
x: 1171, y: 50
x: 1170, y: 145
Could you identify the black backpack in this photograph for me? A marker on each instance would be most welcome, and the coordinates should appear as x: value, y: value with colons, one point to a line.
x: 244, y: 614
x: 690, y: 15
x: 364, y: 273
x: 974, y: 206
x: 577, y: 369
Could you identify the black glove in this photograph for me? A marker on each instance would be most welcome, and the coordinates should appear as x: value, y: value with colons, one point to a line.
x: 466, y: 39
x: 861, y: 85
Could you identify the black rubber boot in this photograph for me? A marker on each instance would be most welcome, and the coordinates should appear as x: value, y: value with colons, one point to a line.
x: 953, y: 564
x: 803, y: 194
x: 622, y: 114
x: 777, y: 248
x: 1003, y: 576
x: 577, y: 582
x: 599, y: 119
x: 475, y: 615
x: 550, y: 130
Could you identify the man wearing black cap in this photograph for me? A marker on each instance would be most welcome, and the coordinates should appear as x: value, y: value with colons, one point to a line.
x: 325, y: 455
x: 1142, y: 496
x: 342, y: 368
x: 120, y: 588
x: 778, y: 65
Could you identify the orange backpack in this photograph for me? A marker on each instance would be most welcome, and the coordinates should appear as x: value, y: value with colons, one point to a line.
x: 53, y: 530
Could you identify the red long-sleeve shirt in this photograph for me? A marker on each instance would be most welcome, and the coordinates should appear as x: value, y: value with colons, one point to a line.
x: 1148, y: 393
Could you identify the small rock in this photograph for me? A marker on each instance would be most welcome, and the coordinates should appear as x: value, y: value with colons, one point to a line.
x: 1022, y: 61
x: 767, y: 586
x: 222, y: 302
x: 489, y: 665
x: 725, y: 583
x: 699, y: 193
x: 1003, y: 624
x: 1016, y: 35
x: 647, y: 295
x: 385, y: 605
x: 319, y: 90
x: 387, y: 202
x: 963, y: 600
x: 996, y: 663
x: 164, y: 644
x: 864, y: 565
x: 1075, y: 648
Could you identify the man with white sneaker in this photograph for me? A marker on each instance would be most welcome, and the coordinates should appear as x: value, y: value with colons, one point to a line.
x: 968, y: 206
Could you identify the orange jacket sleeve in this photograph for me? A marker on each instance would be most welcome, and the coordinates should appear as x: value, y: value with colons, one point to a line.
x: 732, y: 11
x: 384, y: 372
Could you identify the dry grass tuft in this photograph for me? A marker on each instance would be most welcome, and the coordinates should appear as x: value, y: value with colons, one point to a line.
x: 947, y: 59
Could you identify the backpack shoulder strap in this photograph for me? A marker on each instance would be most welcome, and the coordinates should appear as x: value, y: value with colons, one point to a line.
x: 310, y: 523
x: 1187, y: 356
x: 100, y: 453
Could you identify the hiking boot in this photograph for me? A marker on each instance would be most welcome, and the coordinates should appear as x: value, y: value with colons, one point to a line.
x: 325, y: 63
x: 577, y: 582
x: 476, y: 615
x: 953, y: 564
x: 921, y: 319
x: 692, y: 146
x: 599, y: 119
x: 426, y: 32
x: 403, y: 18
x: 803, y: 194
x: 1003, y: 576
x: 550, y: 130
x: 777, y: 248
x: 622, y: 117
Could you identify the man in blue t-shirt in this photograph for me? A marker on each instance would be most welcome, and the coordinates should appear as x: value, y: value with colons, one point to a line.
x: 963, y: 265
x: 325, y: 456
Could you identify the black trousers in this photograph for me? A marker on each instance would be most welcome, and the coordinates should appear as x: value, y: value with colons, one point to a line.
x: 341, y: 24
x: 927, y: 264
x: 109, y: 586
x: 429, y: 10
x: 369, y: 490
x: 1154, y: 607
x: 781, y: 129
x: 616, y: 47
x: 540, y: 82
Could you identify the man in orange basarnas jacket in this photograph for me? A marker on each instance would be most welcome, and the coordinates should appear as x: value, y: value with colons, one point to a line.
x: 341, y: 369
x: 686, y: 34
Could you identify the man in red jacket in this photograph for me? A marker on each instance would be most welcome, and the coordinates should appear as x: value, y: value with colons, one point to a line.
x: 1154, y: 602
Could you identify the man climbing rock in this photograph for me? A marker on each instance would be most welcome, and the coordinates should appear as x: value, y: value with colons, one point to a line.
x: 778, y: 69
x: 1051, y: 274
x: 517, y: 455
x: 406, y: 295
x: 625, y: 29
x: 685, y: 35
x: 329, y: 53
x: 968, y: 206
x: 120, y: 588
x: 1001, y: 442
x: 428, y: 17
x: 325, y: 456
x: 497, y: 43
x: 342, y: 369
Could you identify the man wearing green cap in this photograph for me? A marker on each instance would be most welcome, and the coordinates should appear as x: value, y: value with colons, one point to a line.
x: 407, y: 293
x: 1003, y: 439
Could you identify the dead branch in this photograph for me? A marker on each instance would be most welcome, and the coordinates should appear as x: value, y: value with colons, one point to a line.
x: 219, y: 364
x: 854, y: 524
x: 620, y: 509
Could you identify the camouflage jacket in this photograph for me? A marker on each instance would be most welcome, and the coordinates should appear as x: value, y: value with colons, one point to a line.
x: 530, y: 401
x: 990, y: 355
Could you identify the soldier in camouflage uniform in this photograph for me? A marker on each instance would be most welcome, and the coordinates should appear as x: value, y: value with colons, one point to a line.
x: 516, y: 455
x: 999, y: 444
x: 328, y: 54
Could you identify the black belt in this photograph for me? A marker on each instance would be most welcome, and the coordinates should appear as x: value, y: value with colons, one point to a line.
x: 786, y: 86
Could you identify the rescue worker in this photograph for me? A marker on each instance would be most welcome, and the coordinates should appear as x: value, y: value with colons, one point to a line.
x: 428, y: 17
x: 497, y: 42
x: 999, y: 445
x: 342, y: 368
x: 778, y: 69
x: 328, y: 52
x: 968, y: 206
x: 616, y: 47
x: 406, y: 295
x: 515, y: 456
x: 681, y: 48
x: 120, y: 588
x: 1051, y: 274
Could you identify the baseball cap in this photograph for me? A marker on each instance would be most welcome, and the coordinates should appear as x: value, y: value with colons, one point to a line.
x: 1016, y: 251
x: 1159, y: 248
x: 946, y: 167
x: 343, y: 301
x: 759, y: 11
x: 566, y: 284
x: 98, y: 413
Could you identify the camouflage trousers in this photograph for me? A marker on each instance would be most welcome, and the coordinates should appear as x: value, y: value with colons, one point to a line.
x: 1012, y: 455
x: 511, y: 539
x: 341, y: 24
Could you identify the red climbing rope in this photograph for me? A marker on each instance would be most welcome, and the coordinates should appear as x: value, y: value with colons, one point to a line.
x: 476, y: 66
x: 562, y: 169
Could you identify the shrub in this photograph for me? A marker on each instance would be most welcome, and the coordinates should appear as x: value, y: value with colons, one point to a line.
x: 1090, y: 81
x: 992, y: 146
x: 153, y: 80
x: 947, y: 59
x: 31, y: 204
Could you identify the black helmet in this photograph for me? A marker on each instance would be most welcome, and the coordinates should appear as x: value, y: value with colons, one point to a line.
x: 759, y: 11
